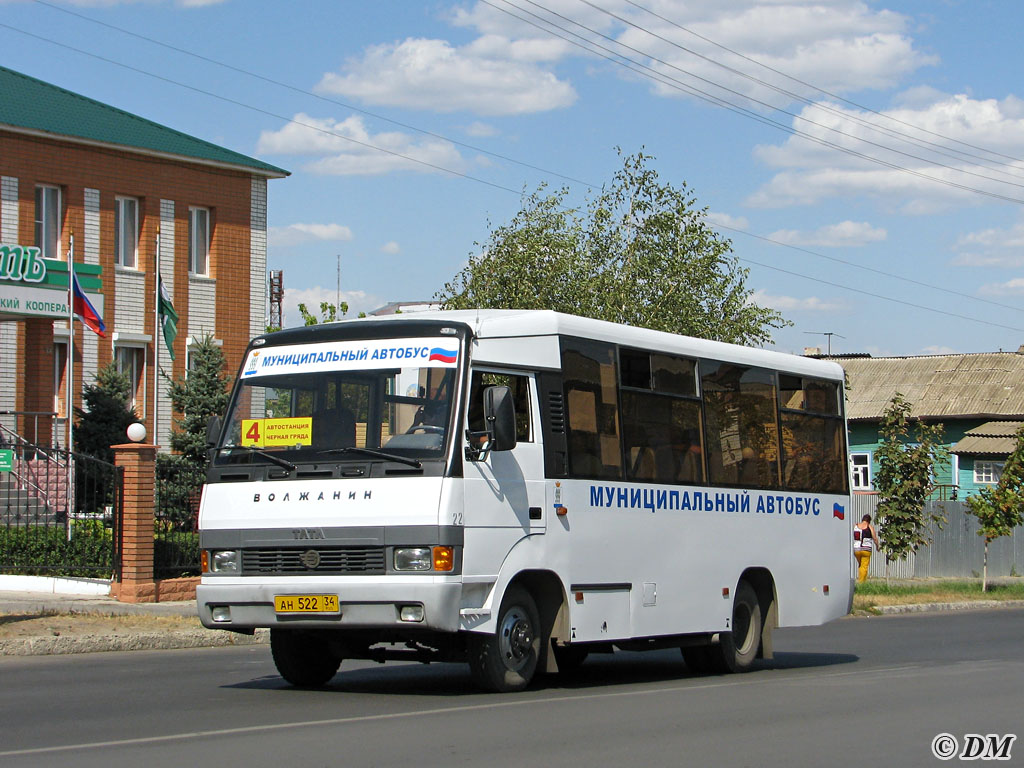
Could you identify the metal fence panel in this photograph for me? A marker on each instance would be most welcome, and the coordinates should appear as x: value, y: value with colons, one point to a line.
x: 956, y: 550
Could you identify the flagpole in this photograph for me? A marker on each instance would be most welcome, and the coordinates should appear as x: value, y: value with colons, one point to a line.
x: 70, y: 366
x: 156, y: 345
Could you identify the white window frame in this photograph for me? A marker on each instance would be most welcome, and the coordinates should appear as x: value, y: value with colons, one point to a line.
x: 987, y: 472
x: 49, y: 207
x: 199, y: 241
x: 126, y: 209
x: 860, y: 471
x: 60, y: 367
x: 136, y: 374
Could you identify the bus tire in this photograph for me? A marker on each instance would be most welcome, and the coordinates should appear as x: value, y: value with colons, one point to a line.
x: 739, y: 647
x: 507, y: 660
x: 304, y: 660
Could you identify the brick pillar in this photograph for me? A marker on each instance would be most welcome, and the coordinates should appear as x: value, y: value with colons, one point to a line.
x: 139, y: 462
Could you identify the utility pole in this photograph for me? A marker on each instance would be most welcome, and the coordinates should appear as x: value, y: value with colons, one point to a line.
x: 828, y: 335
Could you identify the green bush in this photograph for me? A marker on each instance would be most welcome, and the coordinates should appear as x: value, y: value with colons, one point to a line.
x: 176, y: 553
x: 42, y: 551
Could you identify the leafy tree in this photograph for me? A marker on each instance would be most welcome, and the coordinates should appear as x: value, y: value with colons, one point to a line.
x: 329, y: 313
x: 905, y: 480
x: 1000, y: 508
x: 639, y: 253
x: 105, y: 415
x: 203, y: 393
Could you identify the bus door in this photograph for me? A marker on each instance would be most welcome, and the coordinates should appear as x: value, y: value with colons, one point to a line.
x: 506, y: 491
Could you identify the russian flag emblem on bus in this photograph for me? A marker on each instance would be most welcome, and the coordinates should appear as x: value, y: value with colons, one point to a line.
x: 443, y: 355
x: 838, y: 510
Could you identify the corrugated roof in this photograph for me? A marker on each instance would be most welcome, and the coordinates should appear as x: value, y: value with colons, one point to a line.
x: 34, y: 106
x: 994, y: 437
x: 986, y: 385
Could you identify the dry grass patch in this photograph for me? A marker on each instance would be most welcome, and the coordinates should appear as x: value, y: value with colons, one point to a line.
x: 56, y: 624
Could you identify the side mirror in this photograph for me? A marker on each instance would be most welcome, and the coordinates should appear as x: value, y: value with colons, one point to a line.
x: 213, y: 427
x: 500, y: 418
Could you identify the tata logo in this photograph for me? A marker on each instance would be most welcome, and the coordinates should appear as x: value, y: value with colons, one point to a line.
x: 308, y: 534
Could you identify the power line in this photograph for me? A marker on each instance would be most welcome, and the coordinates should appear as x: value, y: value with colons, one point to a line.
x: 720, y: 101
x: 262, y: 111
x: 820, y: 89
x: 311, y: 94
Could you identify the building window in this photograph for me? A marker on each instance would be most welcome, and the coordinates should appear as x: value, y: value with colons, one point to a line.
x: 126, y: 232
x: 60, y: 361
x: 199, y: 241
x: 48, y: 219
x: 987, y: 472
x: 860, y: 471
x: 131, y: 361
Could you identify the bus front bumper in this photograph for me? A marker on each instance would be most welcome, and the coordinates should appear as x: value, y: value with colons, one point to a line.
x: 409, y: 605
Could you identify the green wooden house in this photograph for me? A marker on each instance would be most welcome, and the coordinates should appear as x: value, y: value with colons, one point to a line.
x: 978, y: 398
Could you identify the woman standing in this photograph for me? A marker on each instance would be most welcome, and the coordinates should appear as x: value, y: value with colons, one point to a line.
x: 865, y: 539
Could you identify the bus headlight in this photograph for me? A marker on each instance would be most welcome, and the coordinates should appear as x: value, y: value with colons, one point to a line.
x: 413, y: 559
x: 224, y: 561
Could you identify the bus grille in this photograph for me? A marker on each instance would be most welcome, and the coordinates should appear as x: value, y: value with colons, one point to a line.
x: 328, y: 560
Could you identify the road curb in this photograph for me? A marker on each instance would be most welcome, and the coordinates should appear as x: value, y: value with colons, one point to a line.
x: 969, y: 605
x: 144, y: 641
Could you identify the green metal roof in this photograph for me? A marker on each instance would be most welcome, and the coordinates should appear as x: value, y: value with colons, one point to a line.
x: 33, y: 105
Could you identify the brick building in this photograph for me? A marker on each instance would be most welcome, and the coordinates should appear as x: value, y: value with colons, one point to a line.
x: 114, y: 184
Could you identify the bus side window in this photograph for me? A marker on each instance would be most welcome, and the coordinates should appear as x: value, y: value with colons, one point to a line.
x: 520, y: 386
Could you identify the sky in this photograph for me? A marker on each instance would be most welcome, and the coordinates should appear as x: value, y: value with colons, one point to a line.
x: 865, y: 159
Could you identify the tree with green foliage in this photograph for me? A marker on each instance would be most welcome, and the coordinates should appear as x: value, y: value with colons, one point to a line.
x: 329, y: 313
x: 202, y: 393
x: 906, y: 480
x: 105, y: 415
x: 1000, y: 507
x: 640, y: 253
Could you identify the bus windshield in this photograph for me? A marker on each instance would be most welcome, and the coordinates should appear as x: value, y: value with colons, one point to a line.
x: 307, y: 403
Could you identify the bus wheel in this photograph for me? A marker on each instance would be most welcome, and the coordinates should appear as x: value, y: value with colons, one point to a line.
x: 302, y: 659
x: 507, y: 660
x: 739, y: 647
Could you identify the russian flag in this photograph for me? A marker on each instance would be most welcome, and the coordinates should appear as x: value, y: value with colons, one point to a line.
x: 84, y: 308
x: 838, y: 510
x: 443, y: 355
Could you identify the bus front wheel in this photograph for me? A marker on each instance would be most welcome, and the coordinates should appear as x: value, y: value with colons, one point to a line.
x: 507, y: 660
x: 303, y: 659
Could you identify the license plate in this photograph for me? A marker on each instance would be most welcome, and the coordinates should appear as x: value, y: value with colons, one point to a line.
x: 306, y: 604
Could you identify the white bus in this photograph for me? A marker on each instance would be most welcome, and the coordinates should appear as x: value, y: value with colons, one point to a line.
x: 518, y: 489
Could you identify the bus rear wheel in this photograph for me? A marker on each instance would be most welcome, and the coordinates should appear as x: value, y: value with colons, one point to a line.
x: 507, y: 660
x: 303, y: 659
x: 736, y: 650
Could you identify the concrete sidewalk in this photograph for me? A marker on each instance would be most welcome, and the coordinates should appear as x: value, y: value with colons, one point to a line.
x: 34, y: 604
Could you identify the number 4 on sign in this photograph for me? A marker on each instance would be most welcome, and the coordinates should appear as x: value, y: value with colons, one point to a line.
x: 252, y: 432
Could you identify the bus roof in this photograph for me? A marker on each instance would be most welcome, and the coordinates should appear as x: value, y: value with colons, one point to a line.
x: 513, y: 323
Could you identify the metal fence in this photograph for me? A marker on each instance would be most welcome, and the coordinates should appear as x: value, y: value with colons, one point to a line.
x: 176, y: 542
x: 59, y: 511
x: 956, y: 551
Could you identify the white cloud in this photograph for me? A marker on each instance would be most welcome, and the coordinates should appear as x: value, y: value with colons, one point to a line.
x: 844, y: 234
x: 991, y: 248
x: 716, y: 219
x: 1014, y: 287
x: 347, y: 148
x: 391, y: 247
x: 296, y: 234
x: 938, y: 350
x: 490, y: 76
x: 810, y: 172
x: 481, y: 130
x: 793, y: 304
x: 358, y: 301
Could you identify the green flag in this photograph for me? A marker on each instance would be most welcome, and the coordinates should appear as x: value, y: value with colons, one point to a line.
x: 168, y: 319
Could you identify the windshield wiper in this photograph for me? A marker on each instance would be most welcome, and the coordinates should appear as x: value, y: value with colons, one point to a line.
x: 264, y: 454
x: 376, y: 454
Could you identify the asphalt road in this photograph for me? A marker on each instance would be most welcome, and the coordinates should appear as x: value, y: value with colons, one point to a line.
x: 869, y: 691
